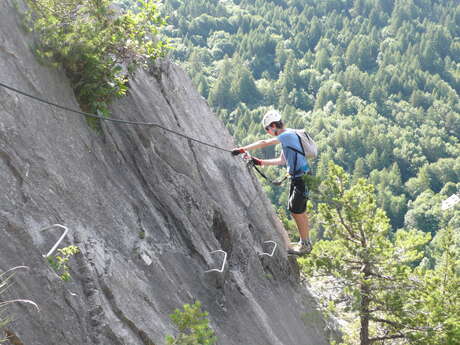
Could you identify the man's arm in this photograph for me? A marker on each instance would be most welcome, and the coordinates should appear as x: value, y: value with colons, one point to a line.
x: 276, y: 161
x: 261, y: 143
x: 257, y: 145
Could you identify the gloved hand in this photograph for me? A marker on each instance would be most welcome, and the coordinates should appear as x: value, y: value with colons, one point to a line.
x: 237, y: 151
x: 256, y: 161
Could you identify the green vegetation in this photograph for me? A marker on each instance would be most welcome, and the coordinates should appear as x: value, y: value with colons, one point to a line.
x: 193, y: 327
x: 59, y: 262
x: 142, y: 234
x: 97, y: 47
x: 376, y: 83
x: 380, y: 279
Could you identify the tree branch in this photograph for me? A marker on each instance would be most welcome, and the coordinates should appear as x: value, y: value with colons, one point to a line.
x: 396, y: 336
x: 392, y: 323
x: 350, y: 232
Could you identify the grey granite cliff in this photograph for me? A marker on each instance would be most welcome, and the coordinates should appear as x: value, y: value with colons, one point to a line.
x: 145, y: 207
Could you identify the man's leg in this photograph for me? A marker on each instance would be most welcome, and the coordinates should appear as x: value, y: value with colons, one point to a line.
x: 297, y: 205
x: 301, y: 220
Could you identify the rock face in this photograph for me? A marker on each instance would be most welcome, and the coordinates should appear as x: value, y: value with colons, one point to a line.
x: 146, y: 207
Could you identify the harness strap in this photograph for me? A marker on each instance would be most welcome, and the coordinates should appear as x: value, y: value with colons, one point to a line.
x: 276, y: 183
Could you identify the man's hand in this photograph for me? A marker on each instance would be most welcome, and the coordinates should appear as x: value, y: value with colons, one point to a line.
x: 237, y: 151
x: 256, y: 161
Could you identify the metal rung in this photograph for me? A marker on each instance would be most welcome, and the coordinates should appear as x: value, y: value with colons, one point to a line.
x: 66, y: 230
x: 223, y: 263
x: 273, y: 250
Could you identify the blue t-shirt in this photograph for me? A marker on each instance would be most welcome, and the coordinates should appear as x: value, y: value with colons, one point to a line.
x: 296, y: 163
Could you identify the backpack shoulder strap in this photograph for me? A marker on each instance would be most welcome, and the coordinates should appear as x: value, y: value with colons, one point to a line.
x: 297, y: 152
x: 300, y: 143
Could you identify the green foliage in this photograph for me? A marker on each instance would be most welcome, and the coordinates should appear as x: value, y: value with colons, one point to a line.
x: 383, y: 280
x: 312, y: 183
x: 142, y: 234
x: 97, y: 47
x: 434, y: 309
x: 59, y: 262
x: 193, y: 327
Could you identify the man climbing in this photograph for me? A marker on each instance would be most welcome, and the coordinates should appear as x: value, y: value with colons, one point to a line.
x: 296, y: 165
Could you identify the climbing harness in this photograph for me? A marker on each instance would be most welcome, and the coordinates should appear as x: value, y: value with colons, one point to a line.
x: 323, y: 199
x: 102, y: 118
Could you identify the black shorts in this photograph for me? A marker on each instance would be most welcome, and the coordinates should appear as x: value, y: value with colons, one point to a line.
x: 298, y: 196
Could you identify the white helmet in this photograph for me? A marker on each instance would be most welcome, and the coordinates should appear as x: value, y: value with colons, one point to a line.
x: 270, y: 117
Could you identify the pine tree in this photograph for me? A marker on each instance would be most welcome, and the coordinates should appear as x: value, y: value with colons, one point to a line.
x: 244, y: 87
x: 433, y: 311
x: 221, y: 94
x: 360, y: 169
x: 322, y: 60
x: 372, y: 272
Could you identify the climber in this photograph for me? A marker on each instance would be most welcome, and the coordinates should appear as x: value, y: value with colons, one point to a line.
x: 297, y: 167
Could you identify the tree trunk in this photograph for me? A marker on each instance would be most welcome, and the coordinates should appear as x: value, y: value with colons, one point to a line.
x: 364, y: 315
x: 364, y: 309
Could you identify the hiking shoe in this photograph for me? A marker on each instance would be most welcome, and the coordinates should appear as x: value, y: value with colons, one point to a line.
x: 300, y: 248
x: 308, y: 246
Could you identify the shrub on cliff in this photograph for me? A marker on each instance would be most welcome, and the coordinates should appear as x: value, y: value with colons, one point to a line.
x: 193, y: 327
x: 97, y: 47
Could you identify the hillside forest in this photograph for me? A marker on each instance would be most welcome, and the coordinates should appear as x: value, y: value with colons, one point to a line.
x: 375, y: 82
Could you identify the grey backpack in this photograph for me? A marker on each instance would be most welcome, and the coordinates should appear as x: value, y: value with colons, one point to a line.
x: 310, y: 150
